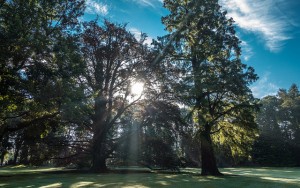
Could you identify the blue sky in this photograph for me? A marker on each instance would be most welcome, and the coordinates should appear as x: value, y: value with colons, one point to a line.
x: 269, y: 31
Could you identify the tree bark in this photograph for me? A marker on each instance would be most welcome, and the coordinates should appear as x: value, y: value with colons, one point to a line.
x: 99, y: 151
x: 208, y: 159
x: 24, y: 154
x: 99, y: 160
x: 2, y: 159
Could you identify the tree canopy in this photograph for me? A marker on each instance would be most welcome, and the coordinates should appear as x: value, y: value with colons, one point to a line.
x: 212, y: 79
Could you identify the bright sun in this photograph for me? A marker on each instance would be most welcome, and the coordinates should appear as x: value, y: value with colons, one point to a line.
x: 137, y: 88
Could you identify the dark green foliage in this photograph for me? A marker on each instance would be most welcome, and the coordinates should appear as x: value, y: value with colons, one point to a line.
x: 161, y: 126
x: 150, y: 140
x: 278, y: 142
x: 39, y: 59
x: 159, y: 155
x: 204, y: 54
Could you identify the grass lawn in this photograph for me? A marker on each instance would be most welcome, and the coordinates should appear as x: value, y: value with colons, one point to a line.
x: 234, y: 177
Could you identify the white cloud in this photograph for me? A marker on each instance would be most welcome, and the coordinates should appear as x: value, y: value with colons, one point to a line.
x: 96, y: 7
x: 137, y: 33
x: 261, y: 17
x: 144, y: 2
x: 150, y: 3
x: 263, y: 87
x: 247, y: 51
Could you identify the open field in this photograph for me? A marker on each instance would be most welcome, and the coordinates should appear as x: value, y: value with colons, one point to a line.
x: 234, y: 177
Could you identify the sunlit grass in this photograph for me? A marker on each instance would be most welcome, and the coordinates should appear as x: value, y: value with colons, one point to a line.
x: 190, y: 177
x: 21, y: 169
x: 52, y: 185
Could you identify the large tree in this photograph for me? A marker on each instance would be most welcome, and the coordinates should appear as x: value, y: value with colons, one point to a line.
x: 115, y: 60
x: 39, y: 59
x: 211, y: 79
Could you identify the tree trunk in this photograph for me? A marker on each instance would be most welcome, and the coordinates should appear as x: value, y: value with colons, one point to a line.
x: 99, y: 154
x: 16, y: 154
x: 99, y: 149
x: 99, y: 162
x: 24, y: 154
x: 208, y: 159
x: 2, y: 158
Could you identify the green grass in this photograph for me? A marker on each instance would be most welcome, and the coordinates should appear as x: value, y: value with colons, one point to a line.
x: 234, y: 177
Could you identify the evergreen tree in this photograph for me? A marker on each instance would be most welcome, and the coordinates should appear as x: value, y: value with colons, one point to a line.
x: 212, y: 81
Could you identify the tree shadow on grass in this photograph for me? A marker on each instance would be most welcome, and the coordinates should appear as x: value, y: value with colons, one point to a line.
x: 140, y: 179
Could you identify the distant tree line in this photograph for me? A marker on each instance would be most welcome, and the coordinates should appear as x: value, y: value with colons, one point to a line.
x: 66, y: 94
x: 278, y: 143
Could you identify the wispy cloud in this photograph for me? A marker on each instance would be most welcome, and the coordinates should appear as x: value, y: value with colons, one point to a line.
x: 137, y: 33
x: 247, y: 51
x: 263, y: 87
x: 96, y: 7
x: 262, y: 17
x: 151, y: 3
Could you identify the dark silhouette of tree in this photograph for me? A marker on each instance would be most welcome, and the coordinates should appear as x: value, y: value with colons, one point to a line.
x: 149, y: 136
x: 115, y: 61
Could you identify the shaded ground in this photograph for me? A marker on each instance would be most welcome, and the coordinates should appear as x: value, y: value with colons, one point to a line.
x: 234, y: 177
